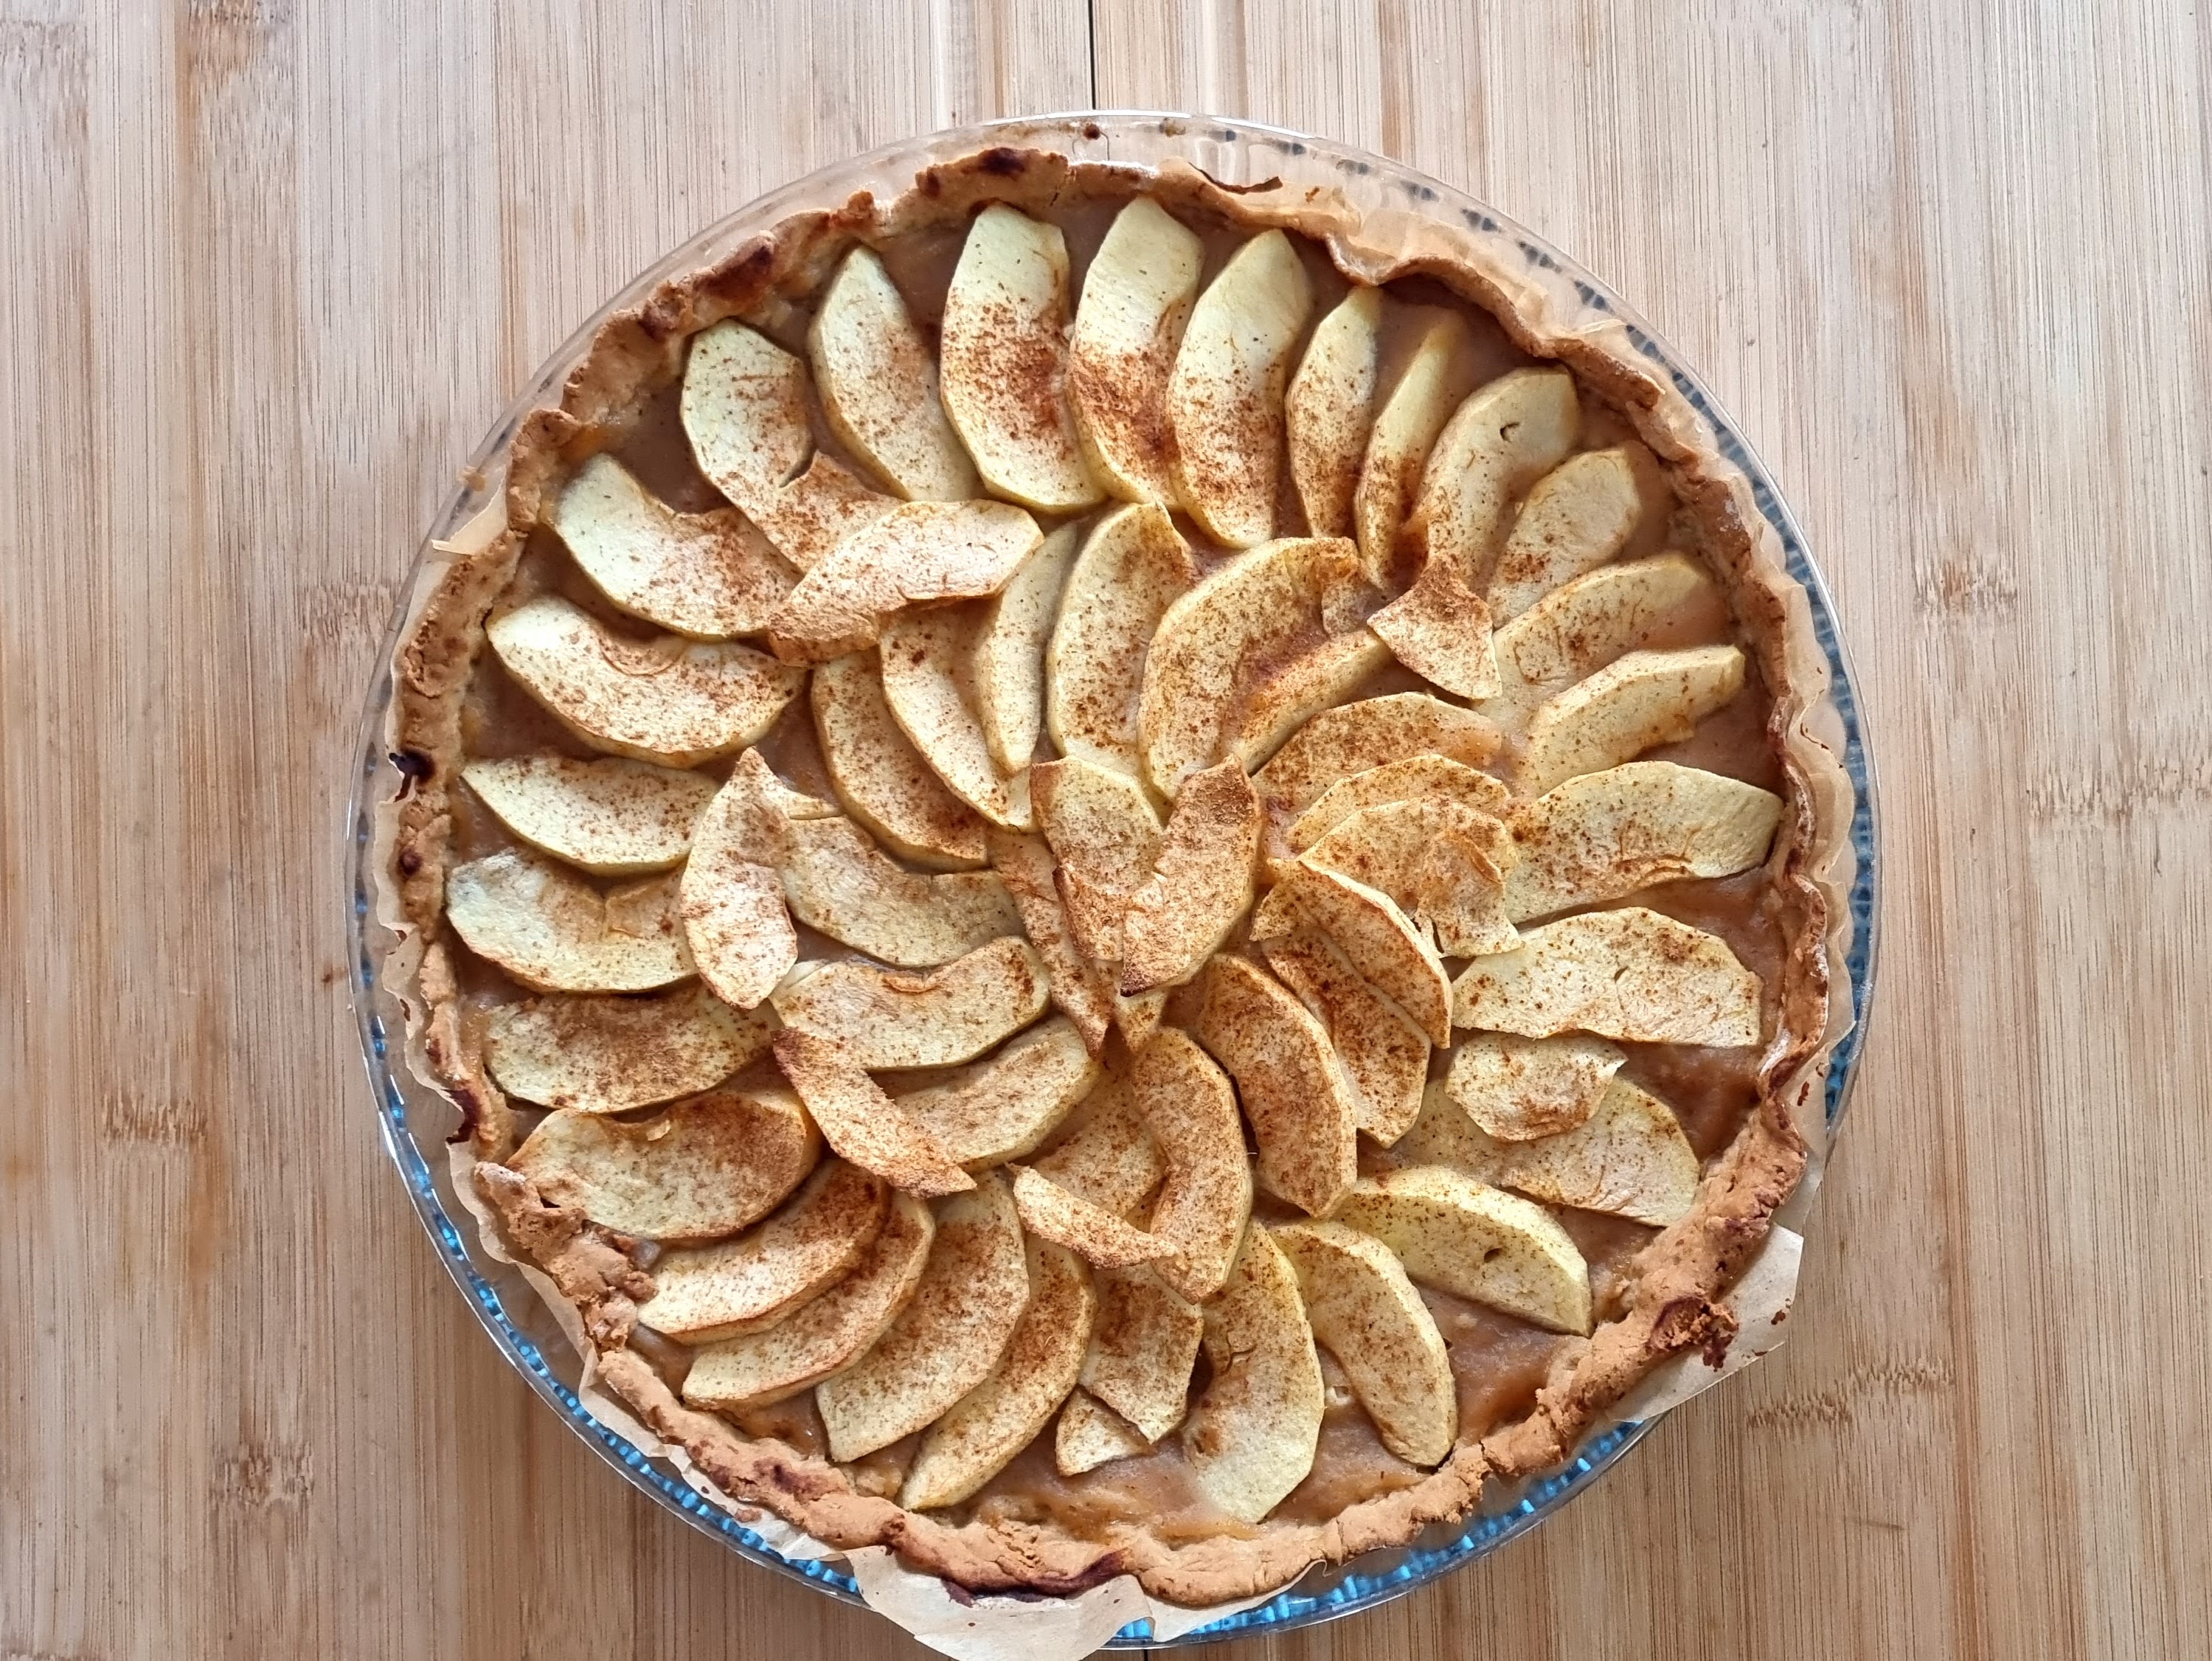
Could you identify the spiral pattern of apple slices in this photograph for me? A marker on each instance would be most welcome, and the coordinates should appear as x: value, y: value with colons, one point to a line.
x: 1191, y: 639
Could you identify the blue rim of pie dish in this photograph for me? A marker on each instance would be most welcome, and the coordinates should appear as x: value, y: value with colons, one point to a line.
x: 1348, y: 1590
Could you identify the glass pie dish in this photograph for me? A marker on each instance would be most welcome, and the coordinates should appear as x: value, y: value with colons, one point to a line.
x: 1237, y: 154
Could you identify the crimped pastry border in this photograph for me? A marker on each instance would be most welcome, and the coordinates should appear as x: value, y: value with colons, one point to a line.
x: 1675, y: 1283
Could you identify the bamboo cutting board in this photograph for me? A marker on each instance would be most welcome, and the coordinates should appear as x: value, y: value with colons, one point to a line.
x: 270, y: 266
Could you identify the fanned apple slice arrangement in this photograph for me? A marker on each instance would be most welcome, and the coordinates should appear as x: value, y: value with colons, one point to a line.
x: 1262, y: 690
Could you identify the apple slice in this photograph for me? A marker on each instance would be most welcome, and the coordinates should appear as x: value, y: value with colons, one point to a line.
x: 920, y: 553
x: 697, y: 1170
x: 1580, y: 628
x: 1137, y: 297
x: 1578, y: 517
x: 863, y: 1124
x: 671, y: 701
x: 1004, y: 1108
x: 881, y: 778
x: 809, y: 517
x: 983, y: 1431
x: 1601, y: 836
x: 878, y: 379
x: 703, y: 1292
x: 1366, y: 1313
x: 1206, y: 1197
x: 708, y: 576
x: 735, y: 921
x: 924, y: 654
x: 1295, y: 1096
x: 1385, y: 1056
x: 1436, y: 380
x: 1007, y: 660
x: 1357, y: 737
x: 1138, y: 1017
x: 1133, y: 566
x: 1107, y: 1156
x: 834, y: 879
x: 613, y: 817
x: 1439, y: 862
x: 1517, y: 1089
x: 950, y: 1336
x: 825, y: 1334
x: 1377, y: 939
x: 554, y: 931
x: 1107, y: 838
x: 1633, y: 704
x: 1142, y: 1348
x: 1329, y: 410
x: 1472, y: 1241
x: 1051, y: 1213
x: 744, y: 408
x: 1440, y: 630
x: 1253, y: 1435
x: 1225, y: 397
x: 1319, y: 679
x: 1258, y: 607
x: 1501, y: 440
x: 1416, y: 778
x: 1081, y: 989
x: 1003, y: 355
x: 593, y: 1055
x: 1091, y: 1434
x: 884, y: 1018
x: 1628, y: 1159
x: 1630, y: 974
x: 1202, y: 883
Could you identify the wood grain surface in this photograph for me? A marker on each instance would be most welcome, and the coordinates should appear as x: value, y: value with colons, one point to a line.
x: 268, y: 266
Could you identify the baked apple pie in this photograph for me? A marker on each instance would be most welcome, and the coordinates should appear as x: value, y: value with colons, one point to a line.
x: 1114, y: 873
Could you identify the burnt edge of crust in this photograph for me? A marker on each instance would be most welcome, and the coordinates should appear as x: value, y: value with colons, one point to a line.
x: 1675, y: 1281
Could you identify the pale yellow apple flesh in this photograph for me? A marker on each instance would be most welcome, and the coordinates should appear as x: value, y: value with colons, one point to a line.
x: 1295, y: 1096
x: 613, y: 817
x: 1252, y: 1437
x: 675, y: 701
x: 708, y: 576
x: 826, y: 1334
x: 878, y: 385
x: 881, y: 778
x: 1366, y: 1313
x: 1630, y: 974
x: 1329, y: 410
x: 697, y: 1170
x: 704, y: 1293
x: 1003, y: 355
x: 1137, y: 296
x: 950, y: 1336
x: 609, y: 1055
x: 1132, y: 567
x: 883, y: 1018
x: 1431, y: 386
x: 1578, y: 517
x: 1225, y: 397
x: 981, y: 1433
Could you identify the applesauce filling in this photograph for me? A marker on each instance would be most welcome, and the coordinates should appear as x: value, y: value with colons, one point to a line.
x: 1353, y: 973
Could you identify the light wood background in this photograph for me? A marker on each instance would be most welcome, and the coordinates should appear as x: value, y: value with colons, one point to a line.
x: 268, y: 266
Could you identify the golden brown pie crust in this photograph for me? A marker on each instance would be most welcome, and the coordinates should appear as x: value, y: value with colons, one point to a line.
x: 1673, y: 1286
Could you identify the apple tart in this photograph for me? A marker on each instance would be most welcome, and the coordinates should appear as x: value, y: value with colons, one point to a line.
x: 1115, y: 874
